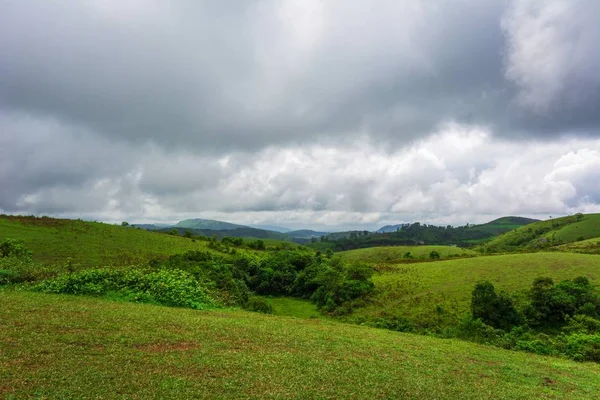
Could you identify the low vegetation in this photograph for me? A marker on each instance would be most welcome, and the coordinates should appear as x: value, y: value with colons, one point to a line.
x: 404, y: 254
x: 546, y: 234
x: 419, y: 234
x: 546, y: 303
x: 79, y: 347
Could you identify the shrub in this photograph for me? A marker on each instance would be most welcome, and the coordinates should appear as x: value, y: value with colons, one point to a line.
x: 259, y: 304
x: 168, y: 287
x: 14, y: 248
x: 583, y: 347
x: 496, y: 310
x: 395, y: 323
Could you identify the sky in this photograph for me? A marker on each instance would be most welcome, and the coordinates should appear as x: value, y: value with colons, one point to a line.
x: 306, y: 114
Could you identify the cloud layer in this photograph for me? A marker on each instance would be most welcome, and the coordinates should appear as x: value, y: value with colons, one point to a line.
x: 309, y: 113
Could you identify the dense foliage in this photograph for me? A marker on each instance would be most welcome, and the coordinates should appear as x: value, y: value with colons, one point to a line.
x: 417, y: 233
x: 561, y: 319
x: 168, y: 287
x: 332, y: 284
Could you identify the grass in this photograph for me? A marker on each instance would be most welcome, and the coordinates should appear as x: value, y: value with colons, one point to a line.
x: 590, y: 246
x: 415, y: 290
x: 57, y: 346
x: 548, y: 233
x: 294, y: 307
x: 395, y: 254
x: 93, y: 243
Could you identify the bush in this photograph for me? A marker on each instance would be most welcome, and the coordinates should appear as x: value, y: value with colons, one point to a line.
x: 167, y: 287
x: 583, y: 347
x: 395, y: 323
x: 550, y: 304
x: 259, y: 304
x: 496, y: 310
x: 14, y: 248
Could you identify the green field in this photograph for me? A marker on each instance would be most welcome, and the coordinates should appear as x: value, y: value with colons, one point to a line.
x: 294, y: 307
x: 76, y: 347
x: 415, y: 290
x: 545, y: 234
x: 395, y: 254
x: 93, y: 243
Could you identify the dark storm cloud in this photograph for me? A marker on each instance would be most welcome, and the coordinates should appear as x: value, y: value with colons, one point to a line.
x: 153, y: 109
x: 249, y: 74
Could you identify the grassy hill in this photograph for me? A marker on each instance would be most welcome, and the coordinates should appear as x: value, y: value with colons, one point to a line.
x: 545, y: 234
x: 91, y: 243
x: 415, y: 291
x: 419, y: 234
x: 590, y: 246
x: 395, y: 254
x: 78, y: 347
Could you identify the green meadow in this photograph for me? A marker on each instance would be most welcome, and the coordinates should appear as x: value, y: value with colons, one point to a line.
x: 58, y: 346
x: 427, y: 292
x: 398, y: 254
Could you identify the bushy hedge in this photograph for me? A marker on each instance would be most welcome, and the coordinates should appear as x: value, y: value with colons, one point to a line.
x: 561, y: 319
x: 167, y: 287
x: 332, y: 284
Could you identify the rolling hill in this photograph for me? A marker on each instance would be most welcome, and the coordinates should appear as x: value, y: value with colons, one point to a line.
x: 415, y: 291
x: 545, y: 234
x: 92, y: 243
x: 397, y: 254
x: 81, y: 347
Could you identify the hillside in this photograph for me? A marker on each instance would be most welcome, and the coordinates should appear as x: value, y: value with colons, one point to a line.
x: 414, y: 291
x: 397, y: 254
x: 90, y: 348
x: 545, y: 234
x: 589, y: 246
x: 91, y: 243
x: 210, y: 224
x: 421, y: 234
x: 504, y: 224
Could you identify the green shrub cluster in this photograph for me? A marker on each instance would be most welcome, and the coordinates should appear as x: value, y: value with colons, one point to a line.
x: 332, y: 284
x: 168, y: 287
x: 259, y: 304
x: 561, y: 319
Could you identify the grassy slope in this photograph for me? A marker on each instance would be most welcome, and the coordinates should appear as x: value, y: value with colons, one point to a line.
x: 590, y: 246
x: 394, y: 254
x: 414, y: 290
x: 91, y: 243
x: 588, y: 227
x: 88, y: 348
x: 294, y: 307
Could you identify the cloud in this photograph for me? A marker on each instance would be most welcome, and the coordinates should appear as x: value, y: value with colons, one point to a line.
x: 330, y: 112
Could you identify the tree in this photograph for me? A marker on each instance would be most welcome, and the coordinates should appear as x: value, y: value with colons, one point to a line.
x: 124, y: 223
x: 493, y: 309
x: 434, y: 255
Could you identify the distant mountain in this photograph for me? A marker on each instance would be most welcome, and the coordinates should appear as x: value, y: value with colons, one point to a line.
x: 152, y: 227
x: 243, y: 231
x: 306, y: 234
x: 417, y: 233
x: 389, y: 228
x: 274, y: 228
x: 198, y: 223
